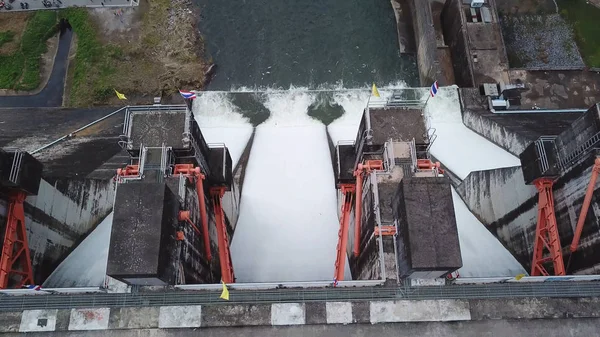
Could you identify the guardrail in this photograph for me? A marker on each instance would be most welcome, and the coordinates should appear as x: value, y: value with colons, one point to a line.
x: 149, y: 299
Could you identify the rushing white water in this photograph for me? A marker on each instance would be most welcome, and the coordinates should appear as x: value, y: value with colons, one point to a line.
x: 221, y: 122
x: 86, y: 265
x: 287, y: 229
x: 456, y: 146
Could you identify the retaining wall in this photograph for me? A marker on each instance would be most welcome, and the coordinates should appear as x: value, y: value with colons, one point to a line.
x: 455, y: 36
x: 426, y: 43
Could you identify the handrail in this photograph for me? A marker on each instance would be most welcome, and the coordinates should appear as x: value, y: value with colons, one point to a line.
x: 76, y: 131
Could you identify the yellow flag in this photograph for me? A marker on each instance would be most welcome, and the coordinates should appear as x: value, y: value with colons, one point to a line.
x: 374, y: 91
x: 520, y: 276
x: 225, y: 293
x: 120, y: 95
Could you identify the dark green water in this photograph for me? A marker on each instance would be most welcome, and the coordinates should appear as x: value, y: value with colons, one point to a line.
x: 304, y: 43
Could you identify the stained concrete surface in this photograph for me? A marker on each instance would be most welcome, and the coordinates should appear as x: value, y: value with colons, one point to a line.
x: 487, y: 328
x: 558, y: 89
x: 418, y: 311
x: 31, y: 128
x: 43, y: 124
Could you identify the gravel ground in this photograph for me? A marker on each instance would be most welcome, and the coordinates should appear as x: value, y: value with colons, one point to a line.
x: 540, y: 41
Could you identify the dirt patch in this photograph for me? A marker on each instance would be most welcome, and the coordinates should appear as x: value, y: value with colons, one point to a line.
x: 16, y: 23
x: 160, y: 48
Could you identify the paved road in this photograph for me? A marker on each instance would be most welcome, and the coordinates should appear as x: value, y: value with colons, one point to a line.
x: 486, y: 328
x: 52, y: 94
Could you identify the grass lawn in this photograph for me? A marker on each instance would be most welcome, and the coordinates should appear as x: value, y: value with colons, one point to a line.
x: 585, y: 19
x: 94, y: 62
x: 21, y: 69
x: 6, y: 36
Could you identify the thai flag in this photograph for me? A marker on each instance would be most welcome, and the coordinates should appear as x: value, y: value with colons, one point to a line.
x: 32, y: 287
x: 187, y: 94
x: 434, y: 89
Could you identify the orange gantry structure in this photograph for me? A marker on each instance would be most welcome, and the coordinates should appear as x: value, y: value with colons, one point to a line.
x: 546, y: 233
x: 193, y: 173
x: 352, y: 192
x: 547, y: 247
x: 216, y: 194
x: 15, y: 263
x: 225, y: 261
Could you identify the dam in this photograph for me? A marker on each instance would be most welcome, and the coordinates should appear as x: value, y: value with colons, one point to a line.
x: 282, y: 190
x: 323, y: 163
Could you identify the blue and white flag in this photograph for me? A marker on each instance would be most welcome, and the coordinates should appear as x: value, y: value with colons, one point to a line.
x: 187, y: 94
x: 32, y: 287
x: 434, y: 89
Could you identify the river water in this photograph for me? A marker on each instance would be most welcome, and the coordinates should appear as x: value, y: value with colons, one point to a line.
x: 304, y: 43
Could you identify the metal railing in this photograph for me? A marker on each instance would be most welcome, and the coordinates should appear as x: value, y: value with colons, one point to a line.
x: 539, y: 145
x: 224, y: 147
x: 16, y: 167
x: 579, y: 152
x: 472, y: 291
x: 413, y: 155
x: 76, y: 131
x: 337, y: 151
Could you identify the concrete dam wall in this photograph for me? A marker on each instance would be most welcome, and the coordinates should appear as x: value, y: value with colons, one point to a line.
x: 60, y: 216
x: 502, y: 202
x: 508, y: 207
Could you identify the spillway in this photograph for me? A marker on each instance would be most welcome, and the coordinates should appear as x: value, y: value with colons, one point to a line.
x: 456, y: 146
x: 288, y: 217
x: 86, y: 265
x: 288, y: 220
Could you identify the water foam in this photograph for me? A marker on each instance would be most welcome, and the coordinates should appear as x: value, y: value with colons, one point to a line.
x: 456, y: 146
x: 288, y: 224
x: 221, y: 122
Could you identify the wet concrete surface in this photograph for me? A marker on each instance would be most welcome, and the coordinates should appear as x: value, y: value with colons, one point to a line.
x: 52, y: 94
x: 46, y: 123
x: 93, y: 150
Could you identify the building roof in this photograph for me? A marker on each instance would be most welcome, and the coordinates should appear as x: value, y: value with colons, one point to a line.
x: 399, y: 124
x: 427, y: 223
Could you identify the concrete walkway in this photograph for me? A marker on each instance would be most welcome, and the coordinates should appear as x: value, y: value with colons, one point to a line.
x: 487, y: 328
x: 52, y: 94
